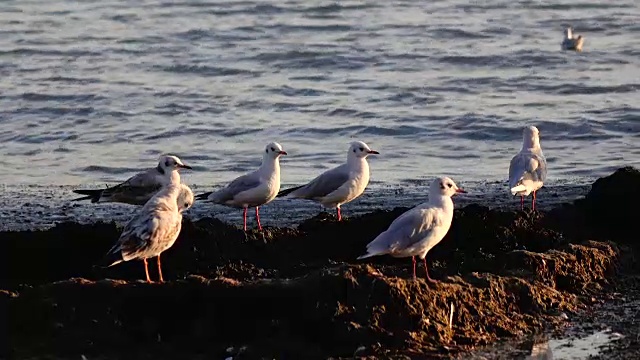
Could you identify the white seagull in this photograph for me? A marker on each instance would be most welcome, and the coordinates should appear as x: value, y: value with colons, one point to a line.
x: 339, y: 185
x: 572, y: 43
x: 528, y: 169
x: 138, y: 189
x: 154, y: 229
x: 253, y: 189
x: 418, y: 230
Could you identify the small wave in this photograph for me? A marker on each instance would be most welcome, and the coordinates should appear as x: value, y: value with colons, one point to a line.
x: 204, y: 70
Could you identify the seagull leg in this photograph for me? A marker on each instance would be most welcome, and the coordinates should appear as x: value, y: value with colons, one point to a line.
x: 427, y: 272
x: 413, y: 258
x: 339, y: 215
x: 533, y: 201
x: 245, y: 219
x: 160, y: 270
x: 146, y: 270
x: 521, y: 202
x: 258, y: 218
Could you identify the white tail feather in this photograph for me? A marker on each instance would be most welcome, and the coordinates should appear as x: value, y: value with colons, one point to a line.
x: 517, y: 189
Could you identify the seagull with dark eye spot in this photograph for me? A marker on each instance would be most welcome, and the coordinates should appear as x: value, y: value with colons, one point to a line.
x: 154, y: 229
x: 138, y: 189
x: 339, y: 185
x: 254, y: 189
x: 418, y: 230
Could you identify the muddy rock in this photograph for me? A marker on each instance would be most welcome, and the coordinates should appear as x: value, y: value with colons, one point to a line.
x: 611, y: 207
x: 270, y: 294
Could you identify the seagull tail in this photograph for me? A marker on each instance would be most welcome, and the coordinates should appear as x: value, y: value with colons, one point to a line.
x: 93, y: 195
x: 203, y: 196
x: 288, y: 191
x: 367, y: 255
x: 112, y: 258
x: 517, y: 189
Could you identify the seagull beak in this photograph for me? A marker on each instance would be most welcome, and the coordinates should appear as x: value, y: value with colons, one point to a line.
x: 373, y: 152
x: 458, y: 190
x: 283, y: 153
x: 183, y: 166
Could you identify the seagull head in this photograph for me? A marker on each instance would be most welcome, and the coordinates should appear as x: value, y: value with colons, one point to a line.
x: 359, y: 149
x: 444, y: 186
x: 168, y: 163
x: 185, y: 198
x: 274, y: 150
x: 530, y: 137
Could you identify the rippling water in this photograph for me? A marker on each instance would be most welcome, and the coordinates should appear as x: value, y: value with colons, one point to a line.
x: 91, y: 91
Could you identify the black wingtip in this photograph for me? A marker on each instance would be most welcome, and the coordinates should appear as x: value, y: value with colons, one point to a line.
x: 93, y: 195
x: 203, y: 196
x: 286, y: 192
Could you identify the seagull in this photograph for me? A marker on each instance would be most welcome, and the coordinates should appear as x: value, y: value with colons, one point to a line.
x: 528, y: 169
x: 154, y: 229
x: 418, y: 230
x: 253, y: 189
x: 137, y: 190
x: 341, y: 184
x: 570, y: 42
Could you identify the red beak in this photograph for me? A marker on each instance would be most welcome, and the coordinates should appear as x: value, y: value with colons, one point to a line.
x: 373, y: 152
x: 458, y: 190
x: 282, y: 153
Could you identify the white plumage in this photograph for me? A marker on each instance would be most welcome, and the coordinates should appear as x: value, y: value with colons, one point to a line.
x: 155, y: 228
x: 253, y: 189
x: 418, y: 230
x: 341, y: 184
x: 528, y: 169
x: 138, y: 189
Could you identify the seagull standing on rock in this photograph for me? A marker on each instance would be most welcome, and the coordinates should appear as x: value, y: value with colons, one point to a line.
x: 154, y: 229
x: 418, y: 230
x: 528, y: 169
x: 138, y: 189
x: 339, y: 185
x: 253, y: 189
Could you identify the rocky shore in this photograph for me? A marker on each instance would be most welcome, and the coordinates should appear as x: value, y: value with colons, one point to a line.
x: 299, y: 292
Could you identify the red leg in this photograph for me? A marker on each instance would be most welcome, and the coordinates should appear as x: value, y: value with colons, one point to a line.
x: 146, y: 270
x: 413, y: 258
x: 244, y: 215
x: 427, y: 272
x: 533, y: 201
x: 521, y: 202
x: 339, y: 215
x: 258, y: 218
x: 160, y: 270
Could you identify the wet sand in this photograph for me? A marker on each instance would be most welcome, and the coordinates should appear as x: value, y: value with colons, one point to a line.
x: 298, y: 292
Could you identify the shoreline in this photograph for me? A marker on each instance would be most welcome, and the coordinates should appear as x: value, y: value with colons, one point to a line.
x: 508, y: 274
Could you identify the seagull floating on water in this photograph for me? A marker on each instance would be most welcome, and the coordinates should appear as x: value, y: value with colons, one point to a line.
x: 137, y: 190
x: 418, y: 230
x: 339, y: 185
x: 570, y: 42
x: 154, y: 229
x: 528, y: 169
x: 253, y: 189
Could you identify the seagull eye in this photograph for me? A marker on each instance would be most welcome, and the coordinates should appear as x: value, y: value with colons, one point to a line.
x: 272, y: 149
x: 186, y: 204
x: 449, y: 185
x: 361, y: 149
